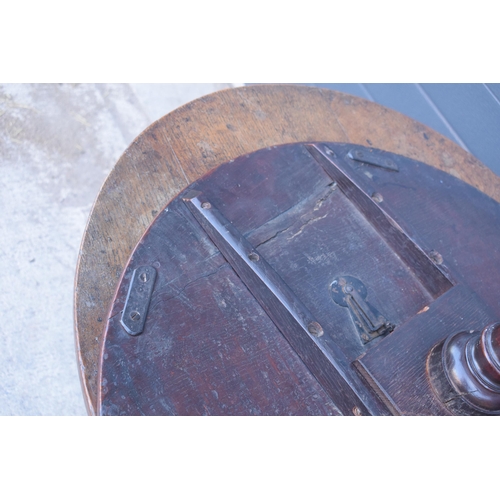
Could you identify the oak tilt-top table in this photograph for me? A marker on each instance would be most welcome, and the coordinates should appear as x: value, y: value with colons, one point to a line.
x: 287, y: 250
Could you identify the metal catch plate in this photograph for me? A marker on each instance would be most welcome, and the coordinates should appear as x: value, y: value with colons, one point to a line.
x: 138, y: 298
x: 350, y: 292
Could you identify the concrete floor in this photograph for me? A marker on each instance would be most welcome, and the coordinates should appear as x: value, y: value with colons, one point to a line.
x: 57, y: 144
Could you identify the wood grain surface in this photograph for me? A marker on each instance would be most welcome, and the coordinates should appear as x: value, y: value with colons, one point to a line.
x: 187, y: 143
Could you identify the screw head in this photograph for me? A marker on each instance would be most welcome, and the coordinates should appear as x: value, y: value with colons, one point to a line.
x: 143, y: 277
x: 206, y: 205
x: 436, y: 257
x: 315, y: 329
x: 135, y: 316
x: 348, y: 288
x: 377, y: 197
x: 254, y: 257
x: 356, y: 412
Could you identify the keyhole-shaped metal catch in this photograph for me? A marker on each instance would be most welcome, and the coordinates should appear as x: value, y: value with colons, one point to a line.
x: 351, y: 292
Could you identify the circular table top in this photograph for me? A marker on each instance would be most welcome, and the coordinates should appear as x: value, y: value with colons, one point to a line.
x: 190, y: 141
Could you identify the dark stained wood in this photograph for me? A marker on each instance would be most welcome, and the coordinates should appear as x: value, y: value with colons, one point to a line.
x: 208, y: 348
x: 196, y: 138
x: 397, y: 367
x: 434, y: 281
x: 327, y: 363
x: 270, y: 233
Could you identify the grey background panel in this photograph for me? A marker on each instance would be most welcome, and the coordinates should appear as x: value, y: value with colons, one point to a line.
x: 411, y: 101
x: 494, y: 88
x: 468, y: 114
x: 475, y: 116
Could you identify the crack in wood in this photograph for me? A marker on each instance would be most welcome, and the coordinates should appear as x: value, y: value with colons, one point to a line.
x: 274, y: 236
x: 317, y: 206
x: 319, y: 203
x: 301, y: 229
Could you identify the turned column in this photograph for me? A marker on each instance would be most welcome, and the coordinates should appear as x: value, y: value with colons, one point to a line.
x: 464, y: 371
